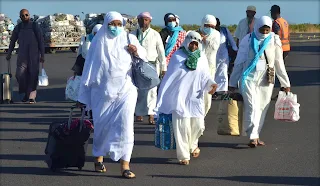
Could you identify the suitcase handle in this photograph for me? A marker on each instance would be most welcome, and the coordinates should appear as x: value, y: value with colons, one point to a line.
x: 81, y: 119
x: 9, y: 67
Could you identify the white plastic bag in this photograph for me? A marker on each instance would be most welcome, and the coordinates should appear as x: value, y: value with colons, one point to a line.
x: 72, y: 88
x: 287, y: 107
x: 43, y: 79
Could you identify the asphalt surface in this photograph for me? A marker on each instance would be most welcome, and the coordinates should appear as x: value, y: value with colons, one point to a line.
x: 291, y: 156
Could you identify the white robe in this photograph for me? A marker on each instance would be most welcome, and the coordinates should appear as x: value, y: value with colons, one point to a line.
x: 221, y: 76
x: 181, y: 90
x: 181, y: 94
x: 211, y: 48
x: 257, y: 91
x: 152, y: 42
x: 107, y: 89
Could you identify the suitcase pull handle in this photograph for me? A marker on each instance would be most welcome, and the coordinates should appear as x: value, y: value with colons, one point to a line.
x: 81, y: 119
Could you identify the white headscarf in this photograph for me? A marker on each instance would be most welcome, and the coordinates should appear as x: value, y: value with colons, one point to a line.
x: 264, y: 20
x: 112, y: 16
x: 192, y: 36
x: 96, y: 28
x: 208, y: 19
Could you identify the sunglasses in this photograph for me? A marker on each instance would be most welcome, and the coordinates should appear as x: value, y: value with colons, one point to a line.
x: 24, y: 15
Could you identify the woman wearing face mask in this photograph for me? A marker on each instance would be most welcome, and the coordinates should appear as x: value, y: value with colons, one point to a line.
x: 172, y: 35
x: 106, y: 88
x: 211, y: 43
x: 223, y: 54
x: 182, y: 92
x: 259, y: 53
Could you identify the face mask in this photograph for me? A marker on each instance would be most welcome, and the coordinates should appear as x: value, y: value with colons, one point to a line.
x: 115, y: 30
x: 172, y: 24
x: 207, y: 30
x: 263, y: 36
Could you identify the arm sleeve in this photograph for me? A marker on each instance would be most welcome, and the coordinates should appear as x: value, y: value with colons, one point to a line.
x: 231, y: 40
x: 275, y: 27
x: 40, y: 39
x: 279, y: 66
x: 161, y: 53
x: 237, y: 32
x: 214, y: 43
x: 13, y: 39
x: 240, y: 60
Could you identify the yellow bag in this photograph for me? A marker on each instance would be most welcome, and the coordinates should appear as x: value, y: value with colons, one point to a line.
x: 230, y: 117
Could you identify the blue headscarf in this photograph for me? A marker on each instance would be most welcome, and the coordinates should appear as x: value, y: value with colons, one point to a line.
x: 172, y: 42
x: 257, y: 37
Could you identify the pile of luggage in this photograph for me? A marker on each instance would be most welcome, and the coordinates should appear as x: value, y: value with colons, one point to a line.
x: 92, y: 19
x: 6, y: 28
x: 61, y: 28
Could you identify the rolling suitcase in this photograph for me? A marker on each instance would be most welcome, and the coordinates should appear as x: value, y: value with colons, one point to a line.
x: 6, y: 86
x: 67, y: 143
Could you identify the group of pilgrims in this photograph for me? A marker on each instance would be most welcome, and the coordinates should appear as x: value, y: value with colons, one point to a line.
x: 192, y: 65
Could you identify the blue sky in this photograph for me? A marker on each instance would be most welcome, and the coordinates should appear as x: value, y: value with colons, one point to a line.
x: 190, y: 12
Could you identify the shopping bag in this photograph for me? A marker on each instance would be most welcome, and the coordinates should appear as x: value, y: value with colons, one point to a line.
x: 72, y: 88
x: 230, y: 115
x: 287, y: 108
x: 43, y: 79
x: 164, y: 135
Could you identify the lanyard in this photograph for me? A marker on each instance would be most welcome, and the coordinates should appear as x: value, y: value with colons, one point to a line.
x: 139, y: 36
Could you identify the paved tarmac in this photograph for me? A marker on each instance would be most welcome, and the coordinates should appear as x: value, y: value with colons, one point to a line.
x: 291, y: 156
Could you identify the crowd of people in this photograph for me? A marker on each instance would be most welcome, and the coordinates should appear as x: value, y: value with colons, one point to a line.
x: 195, y: 67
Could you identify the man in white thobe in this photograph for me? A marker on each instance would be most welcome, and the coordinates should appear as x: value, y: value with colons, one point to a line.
x: 106, y: 87
x: 211, y: 44
x: 246, y: 25
x: 151, y: 40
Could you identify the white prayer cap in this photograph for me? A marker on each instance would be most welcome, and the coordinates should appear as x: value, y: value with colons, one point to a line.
x: 111, y: 16
x: 96, y: 28
x: 251, y: 8
x: 209, y: 19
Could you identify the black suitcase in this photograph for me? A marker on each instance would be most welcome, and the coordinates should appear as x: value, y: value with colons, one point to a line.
x: 67, y: 143
x: 6, y: 86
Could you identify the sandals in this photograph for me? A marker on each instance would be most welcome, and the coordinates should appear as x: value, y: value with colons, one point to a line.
x: 184, y: 162
x: 151, y: 120
x: 256, y: 142
x: 196, y: 153
x: 139, y: 119
x: 128, y: 174
x: 99, y: 167
x: 32, y: 101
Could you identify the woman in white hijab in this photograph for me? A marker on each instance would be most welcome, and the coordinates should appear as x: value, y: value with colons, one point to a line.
x: 259, y: 55
x: 181, y: 94
x: 107, y: 88
x: 211, y: 44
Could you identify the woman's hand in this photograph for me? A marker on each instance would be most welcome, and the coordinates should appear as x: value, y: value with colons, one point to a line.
x: 133, y: 49
x: 214, y: 88
x: 79, y: 105
x: 287, y: 89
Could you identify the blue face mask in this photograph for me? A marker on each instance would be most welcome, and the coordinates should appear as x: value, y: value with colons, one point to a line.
x: 172, y: 24
x: 207, y: 30
x: 115, y: 30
